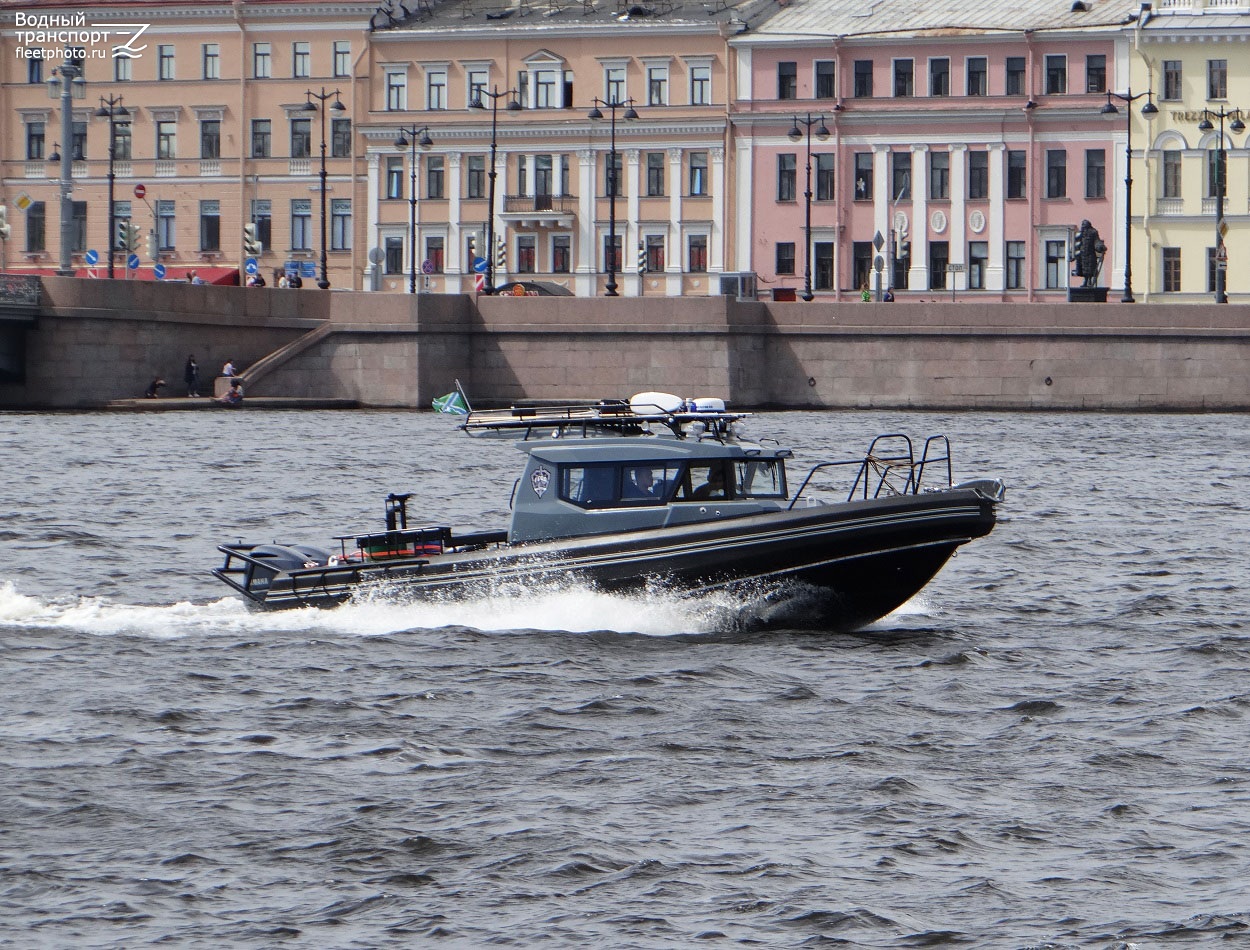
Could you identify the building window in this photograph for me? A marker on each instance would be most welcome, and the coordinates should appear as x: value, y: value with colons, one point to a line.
x: 863, y: 176
x: 978, y: 76
x: 1171, y: 270
x: 301, y: 59
x: 164, y: 62
x: 121, y: 69
x: 698, y: 173
x: 612, y: 253
x: 78, y: 143
x: 1172, y: 80
x: 612, y: 175
x: 1015, y: 265
x: 940, y: 77
x: 786, y: 170
x: 1215, y: 176
x: 561, y: 254
x: 696, y: 254
x: 436, y: 89
x: 861, y: 264
x: 210, y: 138
x: 1217, y: 79
x: 396, y: 90
x: 1014, y: 85
x: 210, y: 225
x: 434, y: 177
x: 978, y: 175
x: 785, y: 257
x: 79, y: 226
x: 787, y: 80
x: 475, y: 84
x: 34, y: 141
x: 825, y: 162
x: 122, y: 142
x: 900, y: 174
x: 34, y: 71
x: 1017, y: 164
x: 657, y: 85
x: 340, y: 138
x: 904, y: 78
x: 261, y: 61
x: 301, y: 138
x: 1056, y: 173
x: 863, y: 79
x: 940, y: 175
x: 655, y: 174
x: 978, y: 258
x: 1056, y: 264
x: 653, y: 252
x: 35, y: 228
x: 212, y: 61
x: 165, y: 229
x: 342, y: 58
x: 262, y: 132
x: 1171, y: 173
x: 435, y: 253
x: 1095, y: 173
x: 340, y: 224
x: 394, y: 177
x: 825, y: 84
x: 475, y: 180
x: 822, y: 265
x: 700, y: 85
x: 301, y: 224
x: 166, y: 139
x: 394, y: 261
x: 1096, y: 73
x: 614, y: 83
x: 1056, y: 75
x: 262, y: 217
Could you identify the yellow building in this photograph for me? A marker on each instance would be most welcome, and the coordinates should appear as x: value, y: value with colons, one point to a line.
x: 1194, y: 58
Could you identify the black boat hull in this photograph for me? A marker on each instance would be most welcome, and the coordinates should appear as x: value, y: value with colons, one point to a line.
x: 856, y: 561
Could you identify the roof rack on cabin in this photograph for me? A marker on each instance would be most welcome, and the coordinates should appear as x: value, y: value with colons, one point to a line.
x: 697, y: 418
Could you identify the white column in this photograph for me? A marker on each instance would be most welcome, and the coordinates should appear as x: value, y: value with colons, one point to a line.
x: 588, y: 230
x: 454, y: 263
x: 918, y: 226
x: 959, y: 215
x: 996, y: 271
x: 676, y: 253
x: 628, y: 230
x: 716, y: 239
x: 374, y: 192
x: 745, y: 166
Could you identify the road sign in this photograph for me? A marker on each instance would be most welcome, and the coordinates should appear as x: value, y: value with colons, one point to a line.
x: 479, y: 283
x: 23, y: 201
x: 91, y: 257
x: 427, y: 266
x: 954, y: 268
x: 308, y: 268
x: 479, y: 264
x: 140, y: 191
x: 159, y: 271
x: 133, y: 262
x: 878, y: 241
x: 251, y: 266
x: 878, y: 263
x: 91, y: 272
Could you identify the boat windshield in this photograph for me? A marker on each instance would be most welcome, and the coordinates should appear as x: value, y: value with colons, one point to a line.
x: 631, y: 484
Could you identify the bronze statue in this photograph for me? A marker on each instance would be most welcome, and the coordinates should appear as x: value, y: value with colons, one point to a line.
x: 1087, y: 251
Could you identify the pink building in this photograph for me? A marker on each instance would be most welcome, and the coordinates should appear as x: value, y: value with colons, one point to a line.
x: 964, y: 146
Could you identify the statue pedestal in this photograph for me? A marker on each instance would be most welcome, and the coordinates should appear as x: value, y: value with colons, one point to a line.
x: 1087, y: 295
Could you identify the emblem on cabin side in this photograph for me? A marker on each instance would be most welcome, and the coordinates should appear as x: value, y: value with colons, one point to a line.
x: 540, y: 480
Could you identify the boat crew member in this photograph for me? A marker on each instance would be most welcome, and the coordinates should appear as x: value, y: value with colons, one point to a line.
x: 714, y: 487
x: 642, y: 484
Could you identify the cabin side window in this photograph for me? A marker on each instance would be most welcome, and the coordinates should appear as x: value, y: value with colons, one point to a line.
x: 615, y: 485
x: 759, y: 478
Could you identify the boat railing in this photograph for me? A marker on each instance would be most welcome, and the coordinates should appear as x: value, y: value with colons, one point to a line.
x: 607, y: 417
x: 889, y: 467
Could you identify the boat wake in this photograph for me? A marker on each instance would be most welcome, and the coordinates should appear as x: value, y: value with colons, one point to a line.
x: 381, y: 611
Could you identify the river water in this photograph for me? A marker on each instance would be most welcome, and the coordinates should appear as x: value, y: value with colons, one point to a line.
x: 1045, y: 749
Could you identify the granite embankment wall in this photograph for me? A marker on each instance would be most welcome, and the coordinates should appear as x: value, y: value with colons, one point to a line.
x: 101, y: 340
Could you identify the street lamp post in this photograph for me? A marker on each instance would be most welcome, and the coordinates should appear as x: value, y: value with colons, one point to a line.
x: 336, y: 106
x: 1221, y: 255
x: 629, y: 113
x: 67, y: 84
x: 1147, y: 111
x: 794, y: 135
x: 410, y: 137
x: 514, y: 105
x: 112, y: 108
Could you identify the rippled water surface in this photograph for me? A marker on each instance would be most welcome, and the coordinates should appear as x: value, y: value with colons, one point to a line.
x: 1046, y: 749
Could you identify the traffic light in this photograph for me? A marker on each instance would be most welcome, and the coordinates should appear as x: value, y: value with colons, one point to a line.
x: 501, y: 253
x: 251, y: 241
x: 152, y: 249
x: 128, y: 236
x: 5, y: 228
